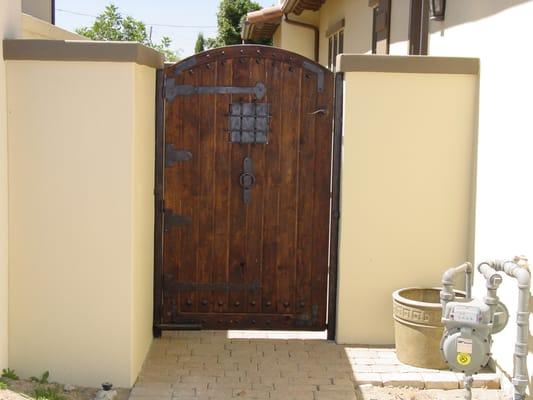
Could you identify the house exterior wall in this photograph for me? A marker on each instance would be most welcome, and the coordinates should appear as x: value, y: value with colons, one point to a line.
x: 9, y: 28
x: 399, y: 27
x: 276, y: 39
x: 407, y: 188
x: 80, y: 219
x: 497, y: 33
x: 41, y: 9
x: 35, y: 28
x: 298, y: 39
x: 358, y: 28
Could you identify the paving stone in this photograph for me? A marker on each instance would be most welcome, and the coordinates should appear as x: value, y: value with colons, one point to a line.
x: 488, y: 380
x: 365, y: 378
x: 251, y: 394
x: 144, y: 391
x: 310, y: 381
x: 381, y: 369
x: 346, y: 395
x: 407, y: 379
x: 196, y: 386
x: 292, y: 388
x: 346, y: 387
x: 441, y: 380
x: 219, y: 365
x: 132, y: 397
x: 293, y: 396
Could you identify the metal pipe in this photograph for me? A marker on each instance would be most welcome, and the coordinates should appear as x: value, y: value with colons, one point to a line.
x: 468, y: 380
x: 309, y: 26
x: 53, y: 12
x: 493, y: 282
x: 518, y: 268
x: 447, y: 293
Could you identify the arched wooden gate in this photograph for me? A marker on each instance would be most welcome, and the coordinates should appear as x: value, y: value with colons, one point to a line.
x: 243, y: 191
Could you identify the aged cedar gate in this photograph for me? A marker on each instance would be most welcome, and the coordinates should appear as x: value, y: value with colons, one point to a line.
x: 244, y: 192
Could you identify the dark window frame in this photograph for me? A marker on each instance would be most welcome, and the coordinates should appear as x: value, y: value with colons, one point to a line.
x: 335, y: 36
x: 381, y: 18
x: 419, y: 27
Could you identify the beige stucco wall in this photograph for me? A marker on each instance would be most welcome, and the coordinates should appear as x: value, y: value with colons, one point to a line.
x: 143, y: 216
x: 298, y: 39
x: 497, y: 33
x: 35, y: 28
x: 276, y: 38
x: 358, y: 28
x: 9, y: 28
x: 407, y: 187
x: 80, y: 219
x: 41, y: 9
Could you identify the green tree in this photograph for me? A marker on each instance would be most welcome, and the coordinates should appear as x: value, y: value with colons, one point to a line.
x: 230, y: 17
x: 200, y: 43
x: 112, y: 25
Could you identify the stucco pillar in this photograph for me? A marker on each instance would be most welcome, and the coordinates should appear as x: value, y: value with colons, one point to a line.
x: 10, y: 15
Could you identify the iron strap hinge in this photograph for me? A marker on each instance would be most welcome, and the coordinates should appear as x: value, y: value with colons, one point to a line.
x: 171, y: 220
x: 316, y: 69
x: 171, y: 90
x: 173, y: 155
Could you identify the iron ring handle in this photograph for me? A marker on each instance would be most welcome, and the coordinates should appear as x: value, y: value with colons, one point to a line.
x: 242, y: 180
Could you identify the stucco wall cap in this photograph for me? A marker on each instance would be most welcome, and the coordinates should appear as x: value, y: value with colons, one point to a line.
x: 407, y: 64
x: 81, y: 50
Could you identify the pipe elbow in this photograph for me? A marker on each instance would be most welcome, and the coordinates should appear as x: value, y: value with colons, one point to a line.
x: 449, y: 274
x: 523, y: 277
x: 447, y: 277
x: 518, y: 271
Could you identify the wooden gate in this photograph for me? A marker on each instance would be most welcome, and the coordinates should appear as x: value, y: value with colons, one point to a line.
x: 243, y: 183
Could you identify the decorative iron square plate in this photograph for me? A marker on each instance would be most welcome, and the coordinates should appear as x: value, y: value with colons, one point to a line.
x: 249, y: 122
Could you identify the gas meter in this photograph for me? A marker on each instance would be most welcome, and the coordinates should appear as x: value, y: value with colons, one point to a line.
x: 469, y: 322
x: 466, y: 343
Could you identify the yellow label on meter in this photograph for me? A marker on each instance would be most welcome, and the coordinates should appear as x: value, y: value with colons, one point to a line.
x: 464, y: 358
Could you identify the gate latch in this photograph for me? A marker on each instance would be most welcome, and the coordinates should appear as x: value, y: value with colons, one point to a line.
x: 247, y: 180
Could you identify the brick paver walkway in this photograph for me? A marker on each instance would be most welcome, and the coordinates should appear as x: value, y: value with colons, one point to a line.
x: 224, y: 365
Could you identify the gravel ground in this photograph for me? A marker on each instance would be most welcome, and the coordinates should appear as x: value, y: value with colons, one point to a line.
x: 367, y: 392
x: 24, y: 389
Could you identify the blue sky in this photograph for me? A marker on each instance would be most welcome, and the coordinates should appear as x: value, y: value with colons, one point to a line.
x: 200, y: 14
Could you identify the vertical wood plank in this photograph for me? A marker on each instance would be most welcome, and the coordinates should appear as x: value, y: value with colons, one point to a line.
x: 321, y: 206
x: 274, y: 81
x: 254, y: 209
x: 205, y: 175
x: 288, y: 162
x: 306, y: 192
x: 172, y: 201
x: 187, y: 183
x: 237, y: 256
x: 222, y: 189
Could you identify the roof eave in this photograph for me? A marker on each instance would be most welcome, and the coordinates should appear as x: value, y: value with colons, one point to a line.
x: 270, y: 17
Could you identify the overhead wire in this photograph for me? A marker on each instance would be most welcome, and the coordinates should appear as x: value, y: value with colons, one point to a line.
x: 146, y: 23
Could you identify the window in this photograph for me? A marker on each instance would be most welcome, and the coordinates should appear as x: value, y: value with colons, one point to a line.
x: 335, y: 35
x: 381, y: 27
x: 418, y: 27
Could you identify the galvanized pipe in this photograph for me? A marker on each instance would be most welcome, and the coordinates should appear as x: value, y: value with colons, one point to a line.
x: 447, y: 293
x: 518, y: 269
x: 468, y: 380
x: 493, y: 281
